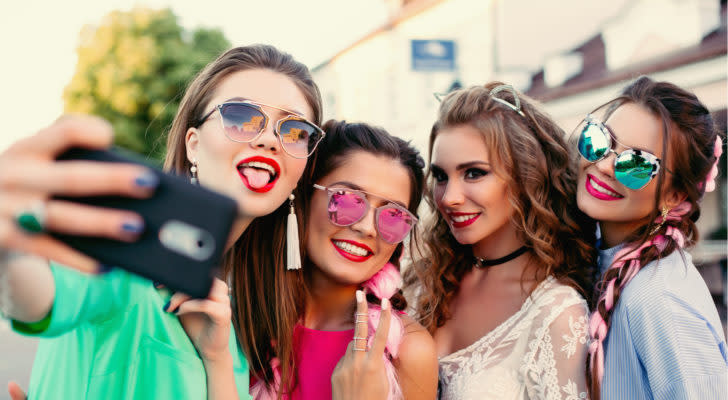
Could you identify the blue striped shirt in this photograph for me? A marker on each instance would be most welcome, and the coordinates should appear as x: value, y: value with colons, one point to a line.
x: 666, y: 339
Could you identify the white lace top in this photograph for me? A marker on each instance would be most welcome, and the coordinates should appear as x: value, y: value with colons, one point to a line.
x: 537, y: 353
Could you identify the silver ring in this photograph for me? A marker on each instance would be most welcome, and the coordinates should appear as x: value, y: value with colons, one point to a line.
x: 32, y: 219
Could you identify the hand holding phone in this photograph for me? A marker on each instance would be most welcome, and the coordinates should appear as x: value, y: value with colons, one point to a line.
x: 186, y: 228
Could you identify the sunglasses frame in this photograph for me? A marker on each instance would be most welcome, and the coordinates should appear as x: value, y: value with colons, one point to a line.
x: 390, y: 204
x: 277, y: 128
x: 653, y: 159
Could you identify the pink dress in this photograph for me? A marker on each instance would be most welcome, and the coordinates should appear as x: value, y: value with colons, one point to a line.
x: 317, y: 353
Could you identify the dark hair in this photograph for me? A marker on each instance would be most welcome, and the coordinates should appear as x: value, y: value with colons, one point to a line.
x: 259, y: 252
x: 529, y: 152
x: 341, y: 140
x: 688, y: 152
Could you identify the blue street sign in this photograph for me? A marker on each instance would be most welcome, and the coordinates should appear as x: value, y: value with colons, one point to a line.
x: 433, y: 55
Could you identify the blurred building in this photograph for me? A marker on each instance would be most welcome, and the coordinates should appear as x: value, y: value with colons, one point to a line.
x: 571, y: 55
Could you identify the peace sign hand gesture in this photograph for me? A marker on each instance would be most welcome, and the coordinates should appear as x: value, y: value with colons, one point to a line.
x: 360, y: 374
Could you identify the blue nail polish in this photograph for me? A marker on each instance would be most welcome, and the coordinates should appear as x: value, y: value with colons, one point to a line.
x: 103, y: 268
x: 133, y: 226
x: 148, y: 180
x: 166, y: 305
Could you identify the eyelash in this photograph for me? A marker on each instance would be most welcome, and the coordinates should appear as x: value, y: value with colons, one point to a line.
x: 470, y: 174
x: 477, y: 171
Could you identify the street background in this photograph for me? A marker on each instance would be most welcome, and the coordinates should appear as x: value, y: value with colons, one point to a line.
x: 380, y: 61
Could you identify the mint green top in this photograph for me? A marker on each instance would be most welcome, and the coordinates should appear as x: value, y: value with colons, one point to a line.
x: 107, y: 337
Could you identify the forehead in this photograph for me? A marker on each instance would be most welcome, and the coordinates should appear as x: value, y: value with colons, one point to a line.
x: 264, y: 86
x: 376, y: 174
x: 635, y: 126
x: 457, y: 144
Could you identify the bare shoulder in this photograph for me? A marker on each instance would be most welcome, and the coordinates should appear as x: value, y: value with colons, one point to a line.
x: 417, y: 344
x: 416, y: 363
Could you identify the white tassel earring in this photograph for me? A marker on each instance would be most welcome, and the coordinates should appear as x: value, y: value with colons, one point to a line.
x: 193, y: 172
x: 292, y: 245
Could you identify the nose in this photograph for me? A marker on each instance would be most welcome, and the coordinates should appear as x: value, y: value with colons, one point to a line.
x: 452, y: 194
x: 606, y: 164
x: 366, y: 226
x: 267, y: 140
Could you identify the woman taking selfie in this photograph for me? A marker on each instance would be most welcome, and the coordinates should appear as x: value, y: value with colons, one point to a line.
x: 245, y: 127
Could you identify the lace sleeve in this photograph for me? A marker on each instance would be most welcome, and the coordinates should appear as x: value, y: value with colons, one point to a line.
x: 557, y: 362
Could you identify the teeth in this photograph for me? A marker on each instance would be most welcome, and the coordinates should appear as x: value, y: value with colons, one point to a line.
x: 350, y: 248
x: 463, y: 218
x: 604, y: 190
x: 259, y: 165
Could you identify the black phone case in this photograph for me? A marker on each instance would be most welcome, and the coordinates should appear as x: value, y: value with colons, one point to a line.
x: 186, y: 229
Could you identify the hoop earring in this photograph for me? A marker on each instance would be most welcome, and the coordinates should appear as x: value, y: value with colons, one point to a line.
x: 293, y: 250
x: 193, y: 172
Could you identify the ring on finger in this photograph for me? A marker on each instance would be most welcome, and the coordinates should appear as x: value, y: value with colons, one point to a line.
x: 358, y: 338
x: 32, y: 219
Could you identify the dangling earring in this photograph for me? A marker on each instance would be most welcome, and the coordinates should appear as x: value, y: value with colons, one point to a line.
x: 292, y: 246
x: 193, y: 172
x: 663, y: 218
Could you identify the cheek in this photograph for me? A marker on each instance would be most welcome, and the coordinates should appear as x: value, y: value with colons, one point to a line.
x: 437, y: 192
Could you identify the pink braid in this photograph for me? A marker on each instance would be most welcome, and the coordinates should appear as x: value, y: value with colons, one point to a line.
x: 385, y: 284
x: 629, y: 259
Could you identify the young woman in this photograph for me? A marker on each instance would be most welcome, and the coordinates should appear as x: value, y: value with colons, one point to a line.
x: 361, y: 194
x: 645, y: 164
x: 505, y: 259
x: 109, y: 335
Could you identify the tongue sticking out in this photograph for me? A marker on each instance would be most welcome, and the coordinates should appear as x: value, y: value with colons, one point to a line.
x: 256, y: 178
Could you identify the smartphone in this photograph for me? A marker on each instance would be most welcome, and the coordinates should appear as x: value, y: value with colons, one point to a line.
x: 186, y: 228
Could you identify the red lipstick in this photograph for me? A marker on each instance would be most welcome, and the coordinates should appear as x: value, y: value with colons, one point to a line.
x: 597, y: 194
x: 462, y: 224
x: 264, y: 160
x: 353, y: 257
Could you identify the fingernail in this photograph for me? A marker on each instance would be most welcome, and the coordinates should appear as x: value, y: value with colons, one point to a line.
x: 385, y: 304
x: 157, y: 285
x: 133, y: 226
x: 166, y: 305
x: 147, y: 180
x: 103, y: 268
x: 359, y: 296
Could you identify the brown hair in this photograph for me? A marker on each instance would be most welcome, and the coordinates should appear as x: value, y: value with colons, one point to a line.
x: 254, y: 266
x: 530, y: 153
x: 688, y: 152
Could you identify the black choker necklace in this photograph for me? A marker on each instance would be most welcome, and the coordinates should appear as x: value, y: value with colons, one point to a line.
x: 483, y: 263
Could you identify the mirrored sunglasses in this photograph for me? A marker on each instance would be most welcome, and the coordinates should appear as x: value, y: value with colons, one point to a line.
x: 244, y: 121
x: 348, y: 206
x: 633, y: 168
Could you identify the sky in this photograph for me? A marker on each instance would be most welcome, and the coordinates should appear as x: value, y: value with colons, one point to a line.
x: 38, y: 40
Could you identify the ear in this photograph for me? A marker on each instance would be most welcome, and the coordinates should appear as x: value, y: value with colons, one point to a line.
x: 192, y: 141
x: 673, y: 198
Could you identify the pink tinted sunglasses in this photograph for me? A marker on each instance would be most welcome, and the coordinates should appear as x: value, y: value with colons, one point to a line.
x: 348, y: 206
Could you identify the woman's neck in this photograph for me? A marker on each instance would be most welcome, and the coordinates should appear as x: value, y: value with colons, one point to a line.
x: 239, y: 226
x: 498, y: 244
x: 614, y: 233
x: 329, y: 305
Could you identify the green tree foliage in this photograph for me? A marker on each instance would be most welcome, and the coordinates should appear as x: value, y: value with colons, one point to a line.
x: 133, y: 69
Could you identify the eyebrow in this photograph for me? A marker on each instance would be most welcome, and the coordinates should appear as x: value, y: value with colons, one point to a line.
x: 238, y: 98
x: 354, y: 186
x: 463, y: 166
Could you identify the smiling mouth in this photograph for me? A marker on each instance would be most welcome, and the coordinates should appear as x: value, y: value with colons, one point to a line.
x: 596, y: 189
x: 460, y: 220
x: 352, y: 251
